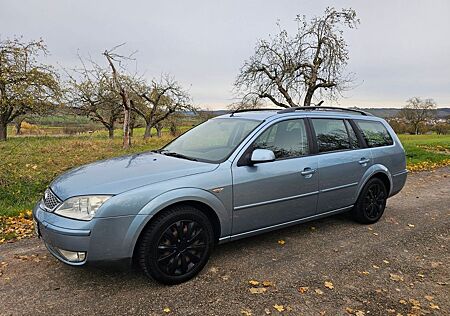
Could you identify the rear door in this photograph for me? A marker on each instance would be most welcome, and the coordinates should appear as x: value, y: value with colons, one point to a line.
x: 276, y: 192
x: 342, y: 162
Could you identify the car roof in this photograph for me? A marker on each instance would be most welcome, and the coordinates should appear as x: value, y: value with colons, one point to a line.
x: 264, y: 114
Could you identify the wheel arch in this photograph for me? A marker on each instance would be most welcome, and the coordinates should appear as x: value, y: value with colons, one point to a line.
x: 377, y: 171
x: 203, y: 200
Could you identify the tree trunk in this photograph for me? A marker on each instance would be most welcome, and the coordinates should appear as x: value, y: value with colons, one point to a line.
x: 126, y: 128
x: 18, y: 126
x: 3, y: 131
x: 308, y: 97
x: 159, y: 131
x: 111, y: 132
x: 148, y: 130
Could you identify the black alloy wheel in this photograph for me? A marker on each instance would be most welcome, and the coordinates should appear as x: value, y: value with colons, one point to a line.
x: 371, y: 202
x: 181, y: 247
x: 176, y: 245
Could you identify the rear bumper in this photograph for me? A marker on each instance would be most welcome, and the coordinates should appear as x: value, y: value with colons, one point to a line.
x: 101, y: 239
x: 398, y: 182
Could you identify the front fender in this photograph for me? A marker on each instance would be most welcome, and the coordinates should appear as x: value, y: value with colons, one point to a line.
x: 376, y: 168
x: 169, y: 198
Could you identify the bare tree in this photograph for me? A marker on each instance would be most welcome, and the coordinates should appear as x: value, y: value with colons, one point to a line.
x: 91, y: 92
x: 288, y: 69
x: 121, y: 88
x: 157, y: 101
x: 247, y: 104
x: 26, y: 86
x: 417, y: 112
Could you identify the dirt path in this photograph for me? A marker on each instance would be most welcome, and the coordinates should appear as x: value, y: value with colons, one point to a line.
x: 399, y: 265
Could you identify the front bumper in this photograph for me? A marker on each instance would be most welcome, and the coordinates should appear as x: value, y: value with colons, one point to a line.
x: 98, y: 240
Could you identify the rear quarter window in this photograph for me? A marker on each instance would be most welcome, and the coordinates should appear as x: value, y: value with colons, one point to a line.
x: 375, y: 133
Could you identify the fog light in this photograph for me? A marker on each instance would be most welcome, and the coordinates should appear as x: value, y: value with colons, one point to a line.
x: 73, y: 256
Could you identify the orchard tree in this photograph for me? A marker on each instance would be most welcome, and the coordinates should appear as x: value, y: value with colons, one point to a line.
x: 91, y: 92
x: 417, y: 112
x: 26, y: 85
x: 286, y: 69
x: 122, y: 89
x: 159, y: 100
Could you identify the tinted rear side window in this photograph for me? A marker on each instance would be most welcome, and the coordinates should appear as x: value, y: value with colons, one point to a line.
x: 375, y: 133
x: 331, y: 135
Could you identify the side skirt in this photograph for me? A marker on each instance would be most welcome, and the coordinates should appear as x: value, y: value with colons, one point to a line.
x: 282, y: 225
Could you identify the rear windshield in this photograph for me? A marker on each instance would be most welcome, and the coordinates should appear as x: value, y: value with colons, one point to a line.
x: 375, y: 133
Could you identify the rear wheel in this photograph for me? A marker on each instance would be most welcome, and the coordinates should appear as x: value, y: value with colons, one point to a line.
x: 371, y: 202
x: 176, y: 245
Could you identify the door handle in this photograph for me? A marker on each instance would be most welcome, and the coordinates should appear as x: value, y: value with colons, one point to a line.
x: 308, y: 172
x: 363, y: 161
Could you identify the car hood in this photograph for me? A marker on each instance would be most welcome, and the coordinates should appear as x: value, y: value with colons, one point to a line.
x: 117, y: 175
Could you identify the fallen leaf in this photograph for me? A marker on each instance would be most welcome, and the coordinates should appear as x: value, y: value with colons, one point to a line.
x: 396, y: 277
x: 279, y: 308
x: 434, y: 306
x: 253, y: 282
x: 246, y: 312
x: 360, y: 313
x: 414, y: 302
x: 390, y: 310
x: 303, y: 289
x: 403, y: 302
x: 429, y: 297
x: 257, y: 290
x: 349, y: 310
x: 329, y: 285
x: 281, y: 242
x: 318, y: 291
x: 267, y: 283
x: 166, y: 310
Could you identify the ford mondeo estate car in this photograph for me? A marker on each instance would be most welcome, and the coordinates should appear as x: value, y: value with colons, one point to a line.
x: 234, y: 176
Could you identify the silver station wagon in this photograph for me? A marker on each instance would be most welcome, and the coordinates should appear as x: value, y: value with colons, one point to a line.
x: 234, y: 176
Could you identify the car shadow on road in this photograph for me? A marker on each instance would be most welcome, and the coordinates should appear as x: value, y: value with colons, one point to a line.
x: 239, y: 251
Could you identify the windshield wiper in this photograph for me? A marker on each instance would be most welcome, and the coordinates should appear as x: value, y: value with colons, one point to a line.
x: 177, y: 155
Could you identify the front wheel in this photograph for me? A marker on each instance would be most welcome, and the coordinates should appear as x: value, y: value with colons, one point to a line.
x: 371, y: 202
x: 176, y: 245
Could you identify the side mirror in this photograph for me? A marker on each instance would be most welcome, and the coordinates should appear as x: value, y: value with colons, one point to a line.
x: 262, y: 155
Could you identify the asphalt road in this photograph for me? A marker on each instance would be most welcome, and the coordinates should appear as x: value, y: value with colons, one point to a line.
x: 399, y: 265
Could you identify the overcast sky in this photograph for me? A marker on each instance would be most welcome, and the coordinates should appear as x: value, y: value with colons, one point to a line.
x: 400, y: 50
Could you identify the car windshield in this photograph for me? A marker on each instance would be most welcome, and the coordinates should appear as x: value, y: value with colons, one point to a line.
x: 212, y: 141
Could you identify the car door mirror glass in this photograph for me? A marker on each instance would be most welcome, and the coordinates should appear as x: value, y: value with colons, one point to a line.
x: 262, y: 155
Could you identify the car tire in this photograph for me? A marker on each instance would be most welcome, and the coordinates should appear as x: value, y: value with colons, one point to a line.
x: 176, y: 245
x: 371, y: 202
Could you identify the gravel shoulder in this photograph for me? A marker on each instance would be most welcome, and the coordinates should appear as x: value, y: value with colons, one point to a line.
x: 399, y: 265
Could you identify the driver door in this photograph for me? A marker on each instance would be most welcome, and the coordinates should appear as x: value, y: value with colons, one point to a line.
x: 280, y: 191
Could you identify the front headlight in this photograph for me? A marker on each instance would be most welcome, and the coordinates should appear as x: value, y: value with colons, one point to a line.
x: 81, y: 207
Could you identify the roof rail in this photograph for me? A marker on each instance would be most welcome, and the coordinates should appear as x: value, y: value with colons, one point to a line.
x: 250, y: 110
x: 324, y: 108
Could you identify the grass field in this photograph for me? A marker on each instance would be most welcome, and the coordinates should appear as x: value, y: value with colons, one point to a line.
x: 28, y: 164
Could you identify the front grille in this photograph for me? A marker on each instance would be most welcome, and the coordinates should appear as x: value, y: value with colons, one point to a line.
x: 50, y: 200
